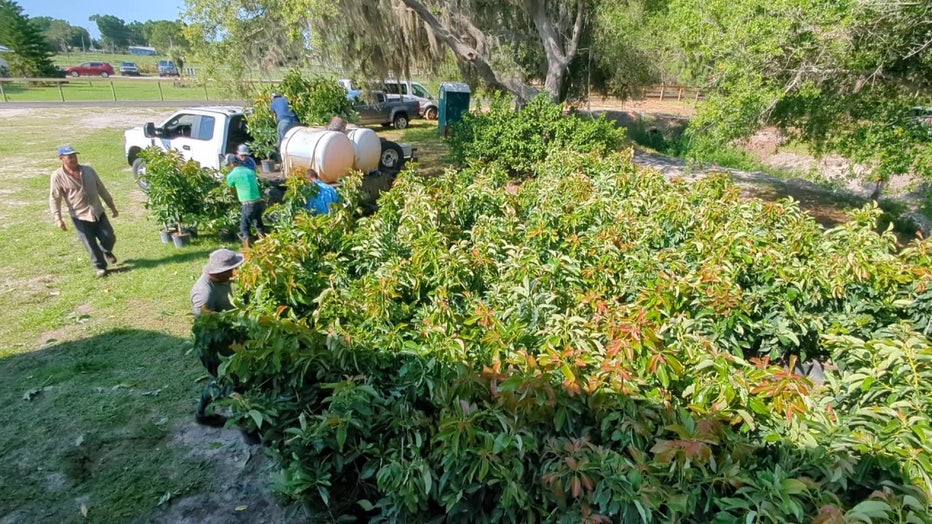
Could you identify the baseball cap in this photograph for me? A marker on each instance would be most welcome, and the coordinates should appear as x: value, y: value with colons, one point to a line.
x: 66, y: 150
x: 275, y: 95
x: 223, y: 260
x: 243, y: 149
x: 233, y: 159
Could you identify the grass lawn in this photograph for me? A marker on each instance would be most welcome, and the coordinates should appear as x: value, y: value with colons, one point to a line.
x: 97, y: 374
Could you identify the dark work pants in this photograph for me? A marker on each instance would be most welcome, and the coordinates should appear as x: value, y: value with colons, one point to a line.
x: 98, y: 238
x: 252, y: 215
x: 283, y: 126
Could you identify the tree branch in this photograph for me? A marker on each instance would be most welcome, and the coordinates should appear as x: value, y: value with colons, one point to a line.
x: 470, y: 54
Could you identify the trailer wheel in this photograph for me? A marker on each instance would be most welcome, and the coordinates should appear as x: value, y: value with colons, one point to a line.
x: 392, y: 158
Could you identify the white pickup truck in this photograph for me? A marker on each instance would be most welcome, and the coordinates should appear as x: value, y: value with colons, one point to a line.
x: 208, y: 134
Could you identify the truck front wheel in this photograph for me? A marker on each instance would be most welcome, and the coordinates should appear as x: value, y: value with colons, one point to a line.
x: 400, y: 121
x: 139, y: 174
x: 430, y: 113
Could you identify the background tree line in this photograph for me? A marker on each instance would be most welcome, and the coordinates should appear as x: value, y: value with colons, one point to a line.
x: 33, y: 36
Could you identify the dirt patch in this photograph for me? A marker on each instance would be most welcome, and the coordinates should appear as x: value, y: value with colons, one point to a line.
x: 240, y: 490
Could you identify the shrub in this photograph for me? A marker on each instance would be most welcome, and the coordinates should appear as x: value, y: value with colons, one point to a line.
x: 596, y: 344
x: 315, y: 100
x: 520, y: 140
x: 177, y: 188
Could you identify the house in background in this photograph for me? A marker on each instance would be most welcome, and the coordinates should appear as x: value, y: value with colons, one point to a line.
x: 142, y: 50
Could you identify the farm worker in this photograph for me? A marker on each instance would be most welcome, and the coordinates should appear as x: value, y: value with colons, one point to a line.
x: 82, y: 190
x: 211, y: 293
x: 284, y: 115
x: 242, y: 152
x: 245, y: 186
x: 337, y: 124
x: 319, y: 195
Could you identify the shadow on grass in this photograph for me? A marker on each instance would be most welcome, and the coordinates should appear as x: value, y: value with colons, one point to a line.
x: 87, y: 423
x: 186, y: 255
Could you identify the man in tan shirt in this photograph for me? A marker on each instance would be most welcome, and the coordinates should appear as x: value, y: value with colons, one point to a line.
x: 82, y: 190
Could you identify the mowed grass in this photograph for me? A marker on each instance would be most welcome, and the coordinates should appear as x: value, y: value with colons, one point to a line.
x: 96, y: 373
x: 96, y: 89
x: 97, y: 376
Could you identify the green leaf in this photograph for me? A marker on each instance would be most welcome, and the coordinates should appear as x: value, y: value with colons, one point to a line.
x: 871, y: 509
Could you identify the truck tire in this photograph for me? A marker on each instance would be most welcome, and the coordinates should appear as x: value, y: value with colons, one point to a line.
x: 430, y: 113
x: 392, y: 158
x: 75, y: 74
x: 400, y: 121
x: 139, y: 174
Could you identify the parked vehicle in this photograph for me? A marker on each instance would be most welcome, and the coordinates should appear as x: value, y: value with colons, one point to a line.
x: 168, y: 68
x: 923, y: 115
x: 129, y: 69
x: 427, y: 106
x: 102, y: 69
x: 387, y: 110
x: 208, y: 134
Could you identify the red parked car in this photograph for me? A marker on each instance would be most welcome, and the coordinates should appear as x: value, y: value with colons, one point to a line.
x: 90, y: 69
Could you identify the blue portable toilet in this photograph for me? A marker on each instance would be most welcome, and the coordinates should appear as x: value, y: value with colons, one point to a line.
x: 454, y: 103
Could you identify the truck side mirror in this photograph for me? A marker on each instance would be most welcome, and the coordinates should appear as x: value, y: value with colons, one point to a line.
x: 148, y: 130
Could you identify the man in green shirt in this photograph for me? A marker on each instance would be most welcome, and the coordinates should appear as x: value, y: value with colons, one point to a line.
x: 245, y: 186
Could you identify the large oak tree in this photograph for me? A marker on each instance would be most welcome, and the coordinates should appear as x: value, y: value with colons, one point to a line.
x: 505, y: 45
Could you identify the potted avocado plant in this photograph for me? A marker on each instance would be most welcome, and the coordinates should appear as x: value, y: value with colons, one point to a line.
x: 263, y: 129
x: 177, y: 190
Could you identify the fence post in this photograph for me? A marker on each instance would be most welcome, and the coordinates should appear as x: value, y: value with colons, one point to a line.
x: 3, y: 93
x: 61, y: 92
x: 662, y: 88
x: 159, y: 84
x: 205, y: 92
x: 112, y: 91
x: 679, y: 94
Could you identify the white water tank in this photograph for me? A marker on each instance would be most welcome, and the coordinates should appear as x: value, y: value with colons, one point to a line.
x: 368, y: 148
x: 330, y: 153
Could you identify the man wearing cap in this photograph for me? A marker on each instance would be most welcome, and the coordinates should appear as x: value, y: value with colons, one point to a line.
x: 242, y: 152
x: 245, y: 186
x: 82, y: 190
x: 212, y: 293
x: 284, y: 115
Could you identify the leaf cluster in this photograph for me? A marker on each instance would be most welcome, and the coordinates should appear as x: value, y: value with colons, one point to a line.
x: 520, y: 140
x: 314, y: 99
x: 181, y: 191
x: 595, y: 344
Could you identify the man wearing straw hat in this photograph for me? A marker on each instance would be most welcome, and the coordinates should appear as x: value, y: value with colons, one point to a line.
x: 212, y: 293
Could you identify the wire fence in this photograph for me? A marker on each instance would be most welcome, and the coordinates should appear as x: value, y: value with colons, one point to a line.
x: 192, y: 88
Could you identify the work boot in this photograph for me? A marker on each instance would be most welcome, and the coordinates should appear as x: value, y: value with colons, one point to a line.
x: 101, y: 273
x: 110, y: 257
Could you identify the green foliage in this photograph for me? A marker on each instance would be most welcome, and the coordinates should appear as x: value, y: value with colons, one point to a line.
x: 31, y: 55
x: 841, y: 76
x: 180, y: 190
x: 593, y: 344
x: 315, y: 100
x: 520, y: 140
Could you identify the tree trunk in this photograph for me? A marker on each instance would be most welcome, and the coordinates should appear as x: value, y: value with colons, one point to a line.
x: 468, y: 54
x: 558, y: 56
